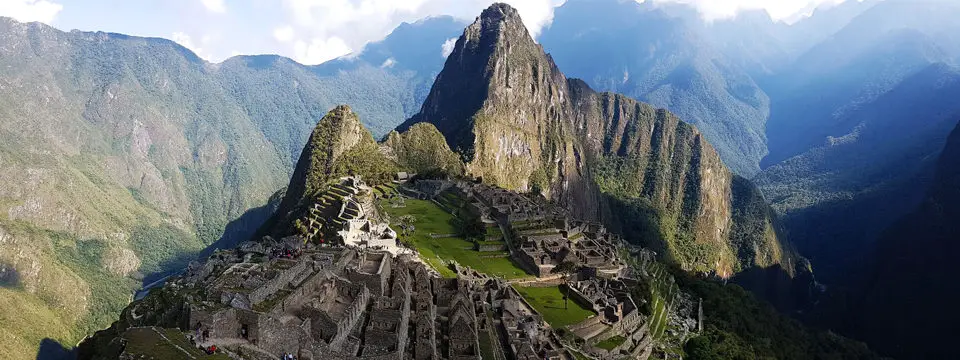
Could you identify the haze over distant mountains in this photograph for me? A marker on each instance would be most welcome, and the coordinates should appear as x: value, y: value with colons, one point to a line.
x: 124, y: 156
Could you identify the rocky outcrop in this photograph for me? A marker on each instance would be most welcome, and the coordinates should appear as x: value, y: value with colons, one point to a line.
x: 519, y: 123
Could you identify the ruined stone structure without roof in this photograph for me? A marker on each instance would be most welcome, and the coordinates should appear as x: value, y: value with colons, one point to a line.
x: 338, y: 304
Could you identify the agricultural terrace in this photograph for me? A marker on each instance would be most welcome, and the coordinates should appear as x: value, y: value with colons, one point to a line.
x: 548, y: 301
x: 432, y: 219
x: 611, y: 342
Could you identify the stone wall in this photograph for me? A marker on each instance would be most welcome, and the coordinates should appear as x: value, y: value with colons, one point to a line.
x: 629, y: 321
x: 492, y: 247
x: 349, y: 320
x: 378, y: 281
x: 544, y: 237
x: 581, y: 299
x: 303, y: 294
x: 528, y: 263
x: 277, y: 337
x: 271, y: 286
x: 590, y: 321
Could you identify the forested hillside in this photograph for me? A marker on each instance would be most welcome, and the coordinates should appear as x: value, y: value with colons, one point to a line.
x: 644, y: 52
x: 913, y: 273
x: 855, y: 126
x: 122, y: 157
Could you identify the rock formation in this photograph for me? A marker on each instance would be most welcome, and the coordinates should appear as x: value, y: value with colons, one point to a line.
x: 519, y: 123
x: 339, y: 146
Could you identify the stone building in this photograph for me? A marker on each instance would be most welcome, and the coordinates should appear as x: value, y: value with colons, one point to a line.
x: 609, y: 298
x: 336, y: 304
x: 364, y: 233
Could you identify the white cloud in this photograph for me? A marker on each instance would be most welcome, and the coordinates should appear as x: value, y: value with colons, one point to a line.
x: 217, y: 6
x: 388, y: 63
x: 358, y: 22
x: 283, y: 34
x: 187, y: 42
x: 30, y: 10
x: 536, y: 14
x: 447, y: 47
x: 319, y: 50
x: 778, y: 9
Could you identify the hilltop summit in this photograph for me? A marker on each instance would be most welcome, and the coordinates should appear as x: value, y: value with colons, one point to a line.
x: 519, y: 123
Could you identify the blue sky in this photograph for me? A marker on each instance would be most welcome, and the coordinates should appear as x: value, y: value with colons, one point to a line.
x: 309, y: 31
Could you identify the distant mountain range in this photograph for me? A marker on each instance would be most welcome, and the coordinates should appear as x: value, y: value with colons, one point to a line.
x: 122, y: 157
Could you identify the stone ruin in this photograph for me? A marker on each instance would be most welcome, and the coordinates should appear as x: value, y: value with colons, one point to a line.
x: 343, y: 304
x: 356, y: 302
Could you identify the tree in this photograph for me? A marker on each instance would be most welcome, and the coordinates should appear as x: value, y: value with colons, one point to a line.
x: 566, y: 268
x: 472, y: 228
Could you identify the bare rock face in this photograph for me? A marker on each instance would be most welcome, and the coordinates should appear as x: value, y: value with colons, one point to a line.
x: 120, y: 261
x: 519, y: 123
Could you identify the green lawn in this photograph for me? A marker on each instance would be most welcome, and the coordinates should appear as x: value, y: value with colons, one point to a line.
x: 548, y: 301
x: 172, y: 344
x: 611, y: 342
x: 486, y: 345
x: 431, y: 219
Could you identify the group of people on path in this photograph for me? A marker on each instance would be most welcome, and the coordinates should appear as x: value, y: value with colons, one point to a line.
x: 286, y: 254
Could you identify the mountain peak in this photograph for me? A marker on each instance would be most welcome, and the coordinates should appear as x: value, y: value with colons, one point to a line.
x: 499, y: 12
x: 499, y: 21
x: 491, y: 62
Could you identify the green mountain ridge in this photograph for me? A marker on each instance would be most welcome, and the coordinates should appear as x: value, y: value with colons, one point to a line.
x: 912, y: 271
x: 124, y: 156
x: 518, y: 123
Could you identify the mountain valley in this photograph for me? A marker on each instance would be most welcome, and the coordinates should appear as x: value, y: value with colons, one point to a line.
x: 735, y: 166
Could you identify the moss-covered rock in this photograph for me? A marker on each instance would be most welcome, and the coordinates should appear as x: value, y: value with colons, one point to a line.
x: 423, y: 149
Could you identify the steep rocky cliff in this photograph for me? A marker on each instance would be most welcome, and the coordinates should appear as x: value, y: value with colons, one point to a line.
x: 658, y: 53
x: 519, y: 123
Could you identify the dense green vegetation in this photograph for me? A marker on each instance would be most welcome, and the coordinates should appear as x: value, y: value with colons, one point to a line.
x: 76, y: 278
x: 141, y: 144
x: 549, y: 302
x: 913, y: 275
x: 738, y: 326
x: 338, y: 146
x: 367, y: 161
x: 341, y: 146
x: 631, y: 185
x: 422, y: 149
